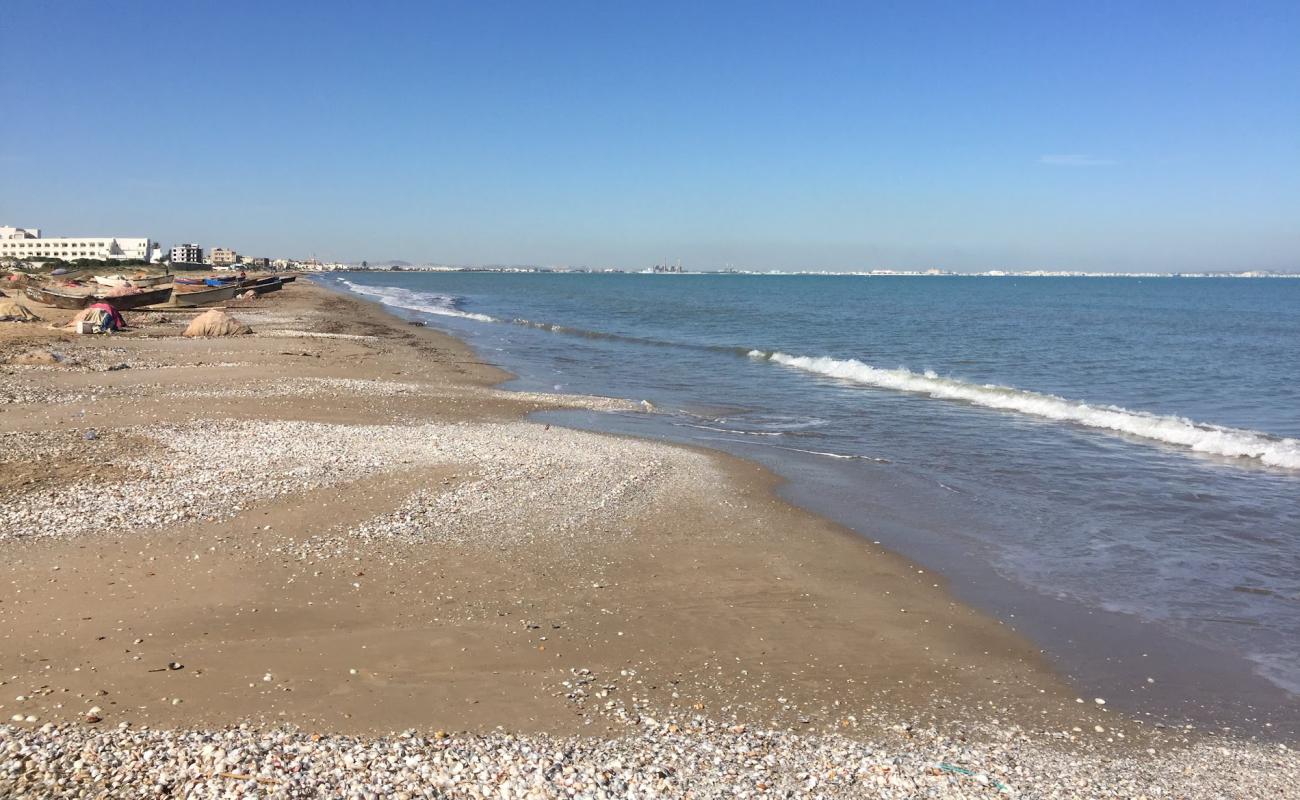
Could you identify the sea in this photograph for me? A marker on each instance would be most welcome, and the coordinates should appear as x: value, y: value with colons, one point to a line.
x: 1109, y: 465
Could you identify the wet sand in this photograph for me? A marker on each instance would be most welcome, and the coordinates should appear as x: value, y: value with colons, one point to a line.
x: 338, y: 524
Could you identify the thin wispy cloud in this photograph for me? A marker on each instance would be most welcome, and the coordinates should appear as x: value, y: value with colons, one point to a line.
x: 1075, y: 160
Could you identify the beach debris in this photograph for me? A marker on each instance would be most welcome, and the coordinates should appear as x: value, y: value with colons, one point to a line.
x: 216, y: 322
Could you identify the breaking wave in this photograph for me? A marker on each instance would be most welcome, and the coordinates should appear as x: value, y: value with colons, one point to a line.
x: 426, y: 302
x: 1270, y: 450
x: 449, y: 306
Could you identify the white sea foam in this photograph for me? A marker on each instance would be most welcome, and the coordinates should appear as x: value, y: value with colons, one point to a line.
x: 730, y: 430
x: 1279, y: 669
x: 1272, y: 451
x: 426, y: 302
x: 845, y: 456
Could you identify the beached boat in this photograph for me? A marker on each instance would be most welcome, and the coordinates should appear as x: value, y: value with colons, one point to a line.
x: 287, y: 278
x: 202, y: 297
x: 139, y: 281
x: 207, y: 280
x: 261, y: 285
x: 78, y: 300
x: 144, y: 281
x: 148, y: 297
x: 58, y: 299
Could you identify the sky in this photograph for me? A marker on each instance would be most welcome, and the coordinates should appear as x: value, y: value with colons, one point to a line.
x: 842, y: 136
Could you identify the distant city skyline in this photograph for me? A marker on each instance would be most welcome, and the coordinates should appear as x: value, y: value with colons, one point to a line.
x: 842, y: 136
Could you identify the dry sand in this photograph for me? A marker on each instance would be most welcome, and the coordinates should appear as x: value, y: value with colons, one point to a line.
x: 338, y: 525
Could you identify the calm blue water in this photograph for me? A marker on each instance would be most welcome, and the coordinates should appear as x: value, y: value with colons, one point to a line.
x: 1110, y: 464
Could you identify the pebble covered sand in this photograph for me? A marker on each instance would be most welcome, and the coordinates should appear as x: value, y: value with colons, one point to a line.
x: 691, y: 758
x: 506, y: 476
x: 208, y: 470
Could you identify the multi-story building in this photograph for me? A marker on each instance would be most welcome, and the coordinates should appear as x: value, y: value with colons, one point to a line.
x: 256, y: 263
x: 222, y: 257
x: 186, y: 254
x: 27, y: 244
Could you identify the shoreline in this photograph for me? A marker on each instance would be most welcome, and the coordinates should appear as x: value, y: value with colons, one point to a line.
x: 1141, y: 668
x: 679, y: 580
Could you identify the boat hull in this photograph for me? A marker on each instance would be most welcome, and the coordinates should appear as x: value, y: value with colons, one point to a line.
x: 49, y: 297
x: 203, y: 297
x: 150, y: 280
x: 262, y: 286
x: 147, y: 298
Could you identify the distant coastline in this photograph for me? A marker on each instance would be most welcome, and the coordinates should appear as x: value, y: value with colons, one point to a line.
x: 877, y: 273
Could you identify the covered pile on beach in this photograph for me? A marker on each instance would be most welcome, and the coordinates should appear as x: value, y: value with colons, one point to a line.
x: 11, y: 311
x: 103, y: 316
x: 216, y: 323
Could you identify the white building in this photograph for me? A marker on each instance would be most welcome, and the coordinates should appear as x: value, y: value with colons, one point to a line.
x: 186, y: 254
x: 27, y: 244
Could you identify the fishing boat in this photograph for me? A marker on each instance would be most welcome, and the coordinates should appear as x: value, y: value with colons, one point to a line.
x: 150, y: 297
x: 78, y: 300
x: 59, y: 299
x: 202, y: 297
x: 261, y: 285
x: 144, y: 281
x: 140, y: 281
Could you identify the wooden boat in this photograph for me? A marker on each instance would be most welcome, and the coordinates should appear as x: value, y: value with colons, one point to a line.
x: 287, y: 278
x: 202, y: 297
x: 149, y: 297
x: 261, y: 285
x: 78, y: 300
x: 144, y: 281
x: 53, y: 297
x: 139, y: 281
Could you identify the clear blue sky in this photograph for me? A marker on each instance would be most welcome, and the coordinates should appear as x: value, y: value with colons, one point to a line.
x: 964, y: 135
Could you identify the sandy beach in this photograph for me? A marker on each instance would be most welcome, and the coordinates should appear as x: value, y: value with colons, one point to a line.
x: 332, y: 558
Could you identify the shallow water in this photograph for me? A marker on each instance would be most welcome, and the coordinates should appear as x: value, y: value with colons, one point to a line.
x: 1115, y: 462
